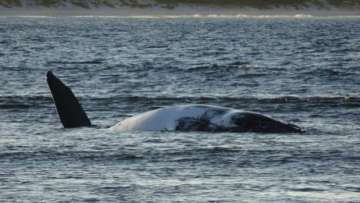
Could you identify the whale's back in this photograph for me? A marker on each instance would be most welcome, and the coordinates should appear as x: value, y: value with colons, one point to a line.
x: 182, y: 117
x: 204, y: 118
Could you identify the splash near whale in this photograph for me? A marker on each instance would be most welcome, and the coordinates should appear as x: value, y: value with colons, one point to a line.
x: 191, y: 117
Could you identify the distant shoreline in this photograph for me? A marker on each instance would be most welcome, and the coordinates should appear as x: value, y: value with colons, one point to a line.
x: 181, y: 10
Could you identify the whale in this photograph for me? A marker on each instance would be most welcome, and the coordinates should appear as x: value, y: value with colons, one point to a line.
x: 183, y: 118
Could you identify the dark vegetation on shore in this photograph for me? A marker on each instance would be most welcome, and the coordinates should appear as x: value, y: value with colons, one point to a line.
x: 260, y: 4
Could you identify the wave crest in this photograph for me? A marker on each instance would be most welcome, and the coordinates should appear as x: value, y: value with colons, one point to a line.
x: 24, y: 102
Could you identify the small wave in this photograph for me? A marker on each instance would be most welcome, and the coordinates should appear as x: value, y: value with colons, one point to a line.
x: 214, y: 150
x: 24, y: 102
x: 352, y: 188
x: 48, y: 154
x: 95, y: 61
x: 216, y: 67
x: 242, y: 69
x: 271, y: 100
x: 328, y: 72
x: 243, y: 156
x: 21, y: 102
x: 307, y: 189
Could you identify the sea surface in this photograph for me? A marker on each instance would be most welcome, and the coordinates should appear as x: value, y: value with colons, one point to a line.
x: 302, y: 69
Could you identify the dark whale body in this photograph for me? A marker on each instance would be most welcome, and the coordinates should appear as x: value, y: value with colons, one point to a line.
x: 192, y: 117
x: 245, y: 122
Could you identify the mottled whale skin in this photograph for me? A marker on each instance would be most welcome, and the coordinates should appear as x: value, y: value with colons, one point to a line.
x: 192, y: 117
x: 196, y: 117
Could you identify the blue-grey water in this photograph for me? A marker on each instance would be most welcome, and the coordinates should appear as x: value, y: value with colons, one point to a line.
x: 302, y: 70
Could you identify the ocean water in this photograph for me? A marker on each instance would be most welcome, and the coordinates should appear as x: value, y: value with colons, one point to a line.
x: 300, y: 69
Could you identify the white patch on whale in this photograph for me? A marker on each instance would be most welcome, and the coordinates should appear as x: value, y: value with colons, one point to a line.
x: 167, y: 118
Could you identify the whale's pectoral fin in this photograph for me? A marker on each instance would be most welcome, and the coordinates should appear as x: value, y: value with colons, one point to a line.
x: 68, y: 107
